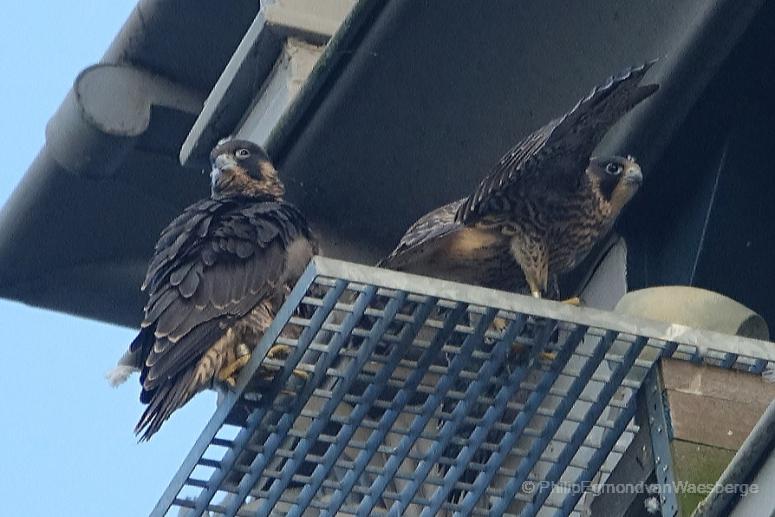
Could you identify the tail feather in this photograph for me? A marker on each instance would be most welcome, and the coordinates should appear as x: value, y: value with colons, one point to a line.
x: 167, y: 398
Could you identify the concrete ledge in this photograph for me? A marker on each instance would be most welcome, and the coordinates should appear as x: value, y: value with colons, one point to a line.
x: 259, y: 59
x: 314, y: 21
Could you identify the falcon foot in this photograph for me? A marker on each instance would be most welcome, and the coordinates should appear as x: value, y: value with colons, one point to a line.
x: 573, y: 301
x: 544, y: 357
x: 228, y: 373
x: 499, y: 324
x: 280, y: 353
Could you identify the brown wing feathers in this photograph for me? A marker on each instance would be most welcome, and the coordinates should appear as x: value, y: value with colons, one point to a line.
x: 212, y: 265
x: 428, y: 228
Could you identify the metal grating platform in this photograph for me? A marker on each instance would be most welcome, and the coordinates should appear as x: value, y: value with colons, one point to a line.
x: 427, y: 397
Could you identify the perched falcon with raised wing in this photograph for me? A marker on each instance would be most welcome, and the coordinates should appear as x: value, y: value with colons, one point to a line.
x: 543, y: 207
x: 219, y: 274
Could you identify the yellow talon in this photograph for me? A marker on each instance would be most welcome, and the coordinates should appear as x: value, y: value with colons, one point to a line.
x: 278, y: 353
x: 301, y: 374
x: 268, y: 374
x: 228, y: 373
x: 499, y: 324
x: 546, y: 357
x: 573, y: 301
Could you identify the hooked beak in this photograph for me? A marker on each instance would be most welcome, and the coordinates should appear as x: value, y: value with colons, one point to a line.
x: 221, y: 163
x: 634, y: 175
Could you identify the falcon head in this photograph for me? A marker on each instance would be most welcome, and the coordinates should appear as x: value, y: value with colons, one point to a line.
x: 242, y: 168
x: 617, y: 179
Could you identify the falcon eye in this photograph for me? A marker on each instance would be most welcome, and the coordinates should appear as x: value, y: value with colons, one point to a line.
x: 242, y: 153
x: 613, y: 169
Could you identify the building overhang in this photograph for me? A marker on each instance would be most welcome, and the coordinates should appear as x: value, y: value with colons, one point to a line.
x: 408, y: 106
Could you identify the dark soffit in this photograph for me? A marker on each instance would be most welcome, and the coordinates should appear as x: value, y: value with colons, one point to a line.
x: 76, y: 232
x: 399, y: 118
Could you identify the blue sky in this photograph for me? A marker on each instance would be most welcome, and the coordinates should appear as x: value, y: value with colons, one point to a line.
x: 66, y: 438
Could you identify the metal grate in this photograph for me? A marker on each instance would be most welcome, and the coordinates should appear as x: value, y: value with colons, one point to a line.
x: 427, y: 397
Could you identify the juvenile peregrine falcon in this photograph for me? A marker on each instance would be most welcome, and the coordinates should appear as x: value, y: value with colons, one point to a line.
x: 542, y: 208
x: 219, y: 274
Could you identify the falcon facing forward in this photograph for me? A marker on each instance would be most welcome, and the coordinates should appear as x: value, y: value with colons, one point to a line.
x: 219, y: 274
x: 542, y: 208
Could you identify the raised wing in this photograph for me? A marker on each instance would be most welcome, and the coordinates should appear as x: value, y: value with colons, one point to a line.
x: 556, y: 155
